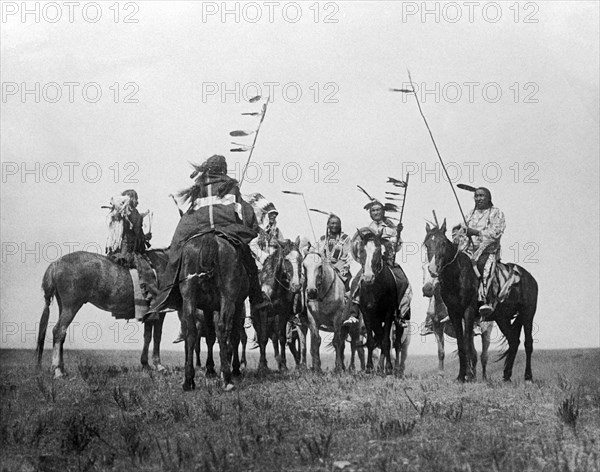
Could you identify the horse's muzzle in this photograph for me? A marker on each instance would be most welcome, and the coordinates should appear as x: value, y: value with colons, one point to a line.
x: 428, y: 290
x: 311, y: 294
x: 295, y: 288
x: 368, y: 279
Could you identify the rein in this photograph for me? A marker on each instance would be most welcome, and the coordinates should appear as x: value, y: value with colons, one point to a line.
x: 320, y: 299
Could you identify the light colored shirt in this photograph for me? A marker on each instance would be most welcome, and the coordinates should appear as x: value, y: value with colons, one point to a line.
x: 491, y: 225
x: 335, y: 249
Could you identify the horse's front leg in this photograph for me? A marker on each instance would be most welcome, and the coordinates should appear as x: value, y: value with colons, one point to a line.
x: 471, y: 353
x: 148, y: 325
x: 456, y: 319
x: 157, y: 335
x: 260, y: 322
x: 438, y: 331
x: 339, y: 342
x: 386, y: 347
x: 370, y: 348
x: 315, y: 337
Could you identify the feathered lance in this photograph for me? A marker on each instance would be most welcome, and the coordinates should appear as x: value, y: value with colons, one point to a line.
x: 399, y: 228
x: 262, y: 117
x: 414, y: 92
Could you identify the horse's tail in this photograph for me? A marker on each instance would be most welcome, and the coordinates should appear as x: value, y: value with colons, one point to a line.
x: 49, y: 289
x: 209, y: 253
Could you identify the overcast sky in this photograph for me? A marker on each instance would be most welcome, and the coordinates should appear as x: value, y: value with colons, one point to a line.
x: 101, y: 98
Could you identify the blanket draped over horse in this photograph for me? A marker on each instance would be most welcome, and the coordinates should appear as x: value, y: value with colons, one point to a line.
x: 225, y: 213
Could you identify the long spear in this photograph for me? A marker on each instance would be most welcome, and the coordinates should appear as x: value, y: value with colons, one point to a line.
x: 289, y: 192
x: 414, y: 92
x: 264, y: 112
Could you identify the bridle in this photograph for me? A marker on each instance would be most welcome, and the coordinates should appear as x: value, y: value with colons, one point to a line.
x: 448, y: 263
x: 332, y: 278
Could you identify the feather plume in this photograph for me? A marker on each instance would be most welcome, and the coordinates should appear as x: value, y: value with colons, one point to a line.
x: 240, y: 132
x: 466, y: 187
x: 320, y: 211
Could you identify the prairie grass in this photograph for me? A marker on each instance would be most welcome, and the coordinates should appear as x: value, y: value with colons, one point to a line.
x: 109, y: 414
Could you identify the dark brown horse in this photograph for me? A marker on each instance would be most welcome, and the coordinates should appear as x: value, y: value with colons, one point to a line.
x: 85, y: 277
x: 378, y: 294
x: 459, y: 284
x: 280, y: 279
x: 213, y: 279
x: 438, y: 311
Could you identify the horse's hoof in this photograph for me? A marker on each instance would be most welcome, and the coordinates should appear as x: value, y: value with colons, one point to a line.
x: 59, y: 374
x: 189, y: 385
x: 228, y: 387
x: 236, y: 373
x: 160, y: 368
x: 210, y: 374
x: 507, y: 380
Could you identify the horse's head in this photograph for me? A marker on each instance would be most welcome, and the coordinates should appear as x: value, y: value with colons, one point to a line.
x: 313, y: 269
x: 293, y: 265
x: 440, y: 249
x: 281, y: 270
x: 367, y: 250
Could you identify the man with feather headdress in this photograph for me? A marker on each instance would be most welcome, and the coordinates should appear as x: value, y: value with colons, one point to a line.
x: 391, y: 241
x: 127, y: 242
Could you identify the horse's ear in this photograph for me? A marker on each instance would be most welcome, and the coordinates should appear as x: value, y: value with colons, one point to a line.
x: 427, y: 228
x: 359, y: 234
x: 443, y: 228
x: 297, y: 242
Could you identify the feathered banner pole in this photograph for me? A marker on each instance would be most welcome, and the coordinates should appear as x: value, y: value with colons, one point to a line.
x: 414, y: 93
x: 239, y: 133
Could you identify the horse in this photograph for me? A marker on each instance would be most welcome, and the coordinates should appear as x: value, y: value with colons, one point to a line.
x: 459, y: 285
x: 86, y: 277
x: 378, y: 293
x: 213, y: 279
x: 280, y: 279
x: 438, y: 311
x: 325, y: 301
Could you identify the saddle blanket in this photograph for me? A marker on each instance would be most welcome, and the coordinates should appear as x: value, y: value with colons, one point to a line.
x: 505, y: 277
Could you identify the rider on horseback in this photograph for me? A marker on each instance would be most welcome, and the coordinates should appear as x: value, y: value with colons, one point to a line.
x: 334, y: 246
x: 270, y: 236
x: 391, y: 243
x: 485, y: 226
x: 215, y: 206
x: 128, y: 242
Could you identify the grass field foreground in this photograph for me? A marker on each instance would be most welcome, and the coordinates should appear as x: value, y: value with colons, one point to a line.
x: 109, y: 414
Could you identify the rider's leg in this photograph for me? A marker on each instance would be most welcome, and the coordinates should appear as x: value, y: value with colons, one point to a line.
x: 354, y: 298
x: 257, y: 300
x: 484, y: 265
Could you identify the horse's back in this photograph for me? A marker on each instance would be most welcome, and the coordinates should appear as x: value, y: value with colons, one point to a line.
x: 90, y: 277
